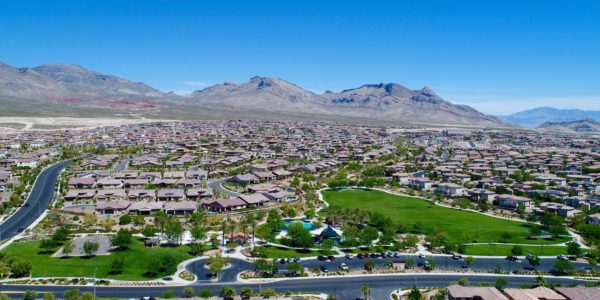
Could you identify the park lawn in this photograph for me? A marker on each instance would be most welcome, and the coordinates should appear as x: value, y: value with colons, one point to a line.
x: 461, y: 226
x: 137, y: 258
x: 494, y: 249
x: 277, y: 252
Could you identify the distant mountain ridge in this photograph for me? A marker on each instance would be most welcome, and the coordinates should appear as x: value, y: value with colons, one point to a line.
x: 390, y: 102
x: 61, y: 81
x: 580, y: 126
x: 534, y: 117
x: 74, y: 85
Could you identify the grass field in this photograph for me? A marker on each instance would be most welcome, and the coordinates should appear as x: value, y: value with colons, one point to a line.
x: 505, y: 250
x: 460, y: 226
x: 276, y: 252
x: 136, y: 261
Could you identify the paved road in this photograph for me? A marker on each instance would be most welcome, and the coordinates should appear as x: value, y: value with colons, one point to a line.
x: 122, y: 164
x: 39, y: 199
x: 217, y: 186
x: 345, y: 287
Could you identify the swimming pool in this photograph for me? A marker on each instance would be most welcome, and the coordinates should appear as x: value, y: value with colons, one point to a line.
x: 306, y: 224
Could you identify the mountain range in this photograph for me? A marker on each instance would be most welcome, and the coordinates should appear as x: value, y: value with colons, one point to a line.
x: 76, y: 87
x: 580, y: 126
x: 535, y: 117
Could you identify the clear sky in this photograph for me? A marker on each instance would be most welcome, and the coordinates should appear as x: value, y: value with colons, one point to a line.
x: 498, y: 56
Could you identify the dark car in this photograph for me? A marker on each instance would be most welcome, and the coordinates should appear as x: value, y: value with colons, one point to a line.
x: 512, y: 258
x: 331, y: 257
x: 296, y: 259
x: 282, y: 261
x: 26, y: 205
x: 456, y: 257
x: 21, y: 229
x: 360, y: 256
x: 324, y: 269
x: 321, y: 257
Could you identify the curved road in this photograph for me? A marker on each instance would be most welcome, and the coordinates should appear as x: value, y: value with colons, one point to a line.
x: 39, y: 199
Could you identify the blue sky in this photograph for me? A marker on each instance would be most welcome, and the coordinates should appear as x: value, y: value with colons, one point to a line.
x: 498, y: 56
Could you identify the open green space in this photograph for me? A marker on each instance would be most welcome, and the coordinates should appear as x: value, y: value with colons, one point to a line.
x: 137, y: 259
x: 421, y: 216
x: 277, y: 252
x: 495, y: 249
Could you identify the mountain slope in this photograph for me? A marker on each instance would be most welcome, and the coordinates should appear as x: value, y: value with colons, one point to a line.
x: 395, y: 102
x: 89, y: 84
x: 534, y: 117
x: 60, y: 82
x: 580, y: 126
x: 388, y: 102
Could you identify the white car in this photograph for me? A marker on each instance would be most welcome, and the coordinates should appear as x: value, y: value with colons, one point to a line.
x: 421, y: 256
x: 349, y: 256
x: 343, y: 267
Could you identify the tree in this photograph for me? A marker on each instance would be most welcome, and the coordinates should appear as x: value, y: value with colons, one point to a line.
x: 168, y: 294
x: 216, y: 263
x: 266, y: 293
x: 505, y: 236
x: 501, y: 283
x: 563, y: 266
x: 534, y: 231
x: 124, y: 219
x: 174, y: 230
x: 122, y: 239
x: 71, y: 294
x: 160, y: 220
x: 300, y: 236
x: 295, y: 268
x: 61, y: 234
x: 198, y: 233
x: 116, y: 265
x: 67, y: 247
x: 369, y: 234
x: 205, y: 293
x: 534, y: 261
x: 574, y: 248
x: 228, y: 292
x: 148, y: 231
x: 246, y: 292
x: 463, y: 282
x: 90, y: 248
x: 410, y: 262
x: 414, y: 294
x: 432, y: 263
x: 20, y: 267
x: 274, y: 220
x: 366, y: 291
x: 49, y: 296
x: 48, y: 245
x: 470, y: 260
x: 517, y: 250
x: 188, y: 292
x: 29, y: 295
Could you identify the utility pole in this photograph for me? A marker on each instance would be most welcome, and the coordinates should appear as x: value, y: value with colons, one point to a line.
x: 96, y: 268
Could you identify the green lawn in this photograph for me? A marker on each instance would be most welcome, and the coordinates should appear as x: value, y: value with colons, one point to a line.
x: 276, y: 252
x: 505, y: 250
x: 460, y: 226
x: 136, y: 261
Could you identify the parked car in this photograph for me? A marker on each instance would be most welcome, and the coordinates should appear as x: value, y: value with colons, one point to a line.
x: 282, y: 261
x: 349, y: 256
x: 512, y: 258
x: 421, y: 256
x: 457, y: 257
x: 343, y: 267
x: 296, y: 259
x: 321, y: 257
x: 562, y: 257
x: 324, y: 269
x: 331, y: 257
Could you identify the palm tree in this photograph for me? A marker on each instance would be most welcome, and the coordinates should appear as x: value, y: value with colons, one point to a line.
x: 366, y: 290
